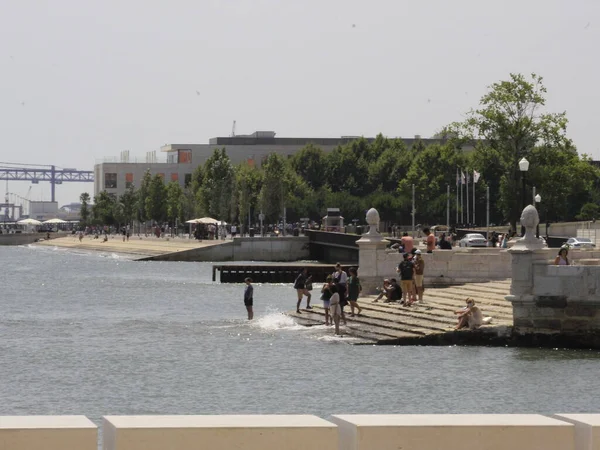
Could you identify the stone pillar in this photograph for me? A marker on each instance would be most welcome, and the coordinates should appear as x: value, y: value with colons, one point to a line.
x: 370, y: 246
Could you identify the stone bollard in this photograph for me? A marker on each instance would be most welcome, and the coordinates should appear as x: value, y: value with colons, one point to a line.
x: 369, y: 246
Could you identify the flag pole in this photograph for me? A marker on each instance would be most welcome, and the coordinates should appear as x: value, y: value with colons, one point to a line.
x: 488, y: 212
x: 456, y: 223
x: 448, y: 207
x: 462, y: 203
x: 467, y: 197
x: 474, y: 183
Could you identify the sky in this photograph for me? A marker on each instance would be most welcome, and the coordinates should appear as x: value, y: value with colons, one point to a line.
x: 84, y: 80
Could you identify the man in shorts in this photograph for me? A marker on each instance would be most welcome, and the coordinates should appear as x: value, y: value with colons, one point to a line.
x: 301, y: 289
x: 419, y: 271
x: 406, y: 271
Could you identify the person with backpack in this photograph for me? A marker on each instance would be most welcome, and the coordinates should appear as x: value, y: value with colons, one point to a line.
x: 406, y: 270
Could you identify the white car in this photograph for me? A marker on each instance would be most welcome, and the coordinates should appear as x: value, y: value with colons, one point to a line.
x: 580, y: 243
x: 473, y: 240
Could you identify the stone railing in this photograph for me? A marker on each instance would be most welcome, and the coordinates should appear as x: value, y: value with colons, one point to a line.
x: 305, y: 432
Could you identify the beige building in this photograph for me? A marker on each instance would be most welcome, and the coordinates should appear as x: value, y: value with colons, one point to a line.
x: 115, y: 176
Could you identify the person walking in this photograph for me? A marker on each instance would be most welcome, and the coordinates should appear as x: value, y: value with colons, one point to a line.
x: 300, y: 285
x: 354, y: 289
x: 335, y: 307
x: 326, y: 296
x: 249, y: 298
x: 340, y: 279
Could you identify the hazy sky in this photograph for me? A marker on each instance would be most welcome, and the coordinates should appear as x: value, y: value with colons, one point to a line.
x: 85, y: 79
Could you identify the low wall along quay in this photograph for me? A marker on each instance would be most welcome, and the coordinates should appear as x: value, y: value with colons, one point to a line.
x: 305, y: 432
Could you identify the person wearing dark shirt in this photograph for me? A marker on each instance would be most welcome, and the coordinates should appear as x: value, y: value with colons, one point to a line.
x: 249, y: 298
x: 301, y: 286
x: 393, y: 291
x: 444, y: 244
x: 406, y: 270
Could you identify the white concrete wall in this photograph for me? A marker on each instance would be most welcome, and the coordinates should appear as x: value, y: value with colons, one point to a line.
x: 451, y: 266
x: 305, y: 432
x: 275, y: 432
x: 47, y: 433
x: 453, y: 432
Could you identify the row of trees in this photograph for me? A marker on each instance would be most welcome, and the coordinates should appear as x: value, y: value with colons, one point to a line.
x: 508, y: 125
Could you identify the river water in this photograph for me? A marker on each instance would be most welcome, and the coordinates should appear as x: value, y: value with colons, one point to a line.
x: 97, y: 334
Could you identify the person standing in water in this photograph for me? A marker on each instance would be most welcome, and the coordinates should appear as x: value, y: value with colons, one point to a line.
x: 354, y: 289
x: 334, y: 308
x: 249, y: 298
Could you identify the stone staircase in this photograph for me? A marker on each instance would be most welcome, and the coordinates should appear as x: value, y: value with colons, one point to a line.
x: 391, y: 323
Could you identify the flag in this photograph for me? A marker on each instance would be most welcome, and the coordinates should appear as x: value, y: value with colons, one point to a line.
x: 467, y: 177
x: 462, y: 177
x: 476, y: 176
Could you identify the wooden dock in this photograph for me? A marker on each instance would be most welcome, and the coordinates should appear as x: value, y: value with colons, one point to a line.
x: 429, y: 324
x: 271, y: 272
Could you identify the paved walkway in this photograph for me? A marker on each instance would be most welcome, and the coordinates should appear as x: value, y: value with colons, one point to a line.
x: 135, y: 247
x: 390, y: 323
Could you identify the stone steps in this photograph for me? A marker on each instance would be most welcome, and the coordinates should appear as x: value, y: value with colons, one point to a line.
x: 392, y: 323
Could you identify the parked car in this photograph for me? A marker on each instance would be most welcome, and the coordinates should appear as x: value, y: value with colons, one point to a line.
x: 473, y: 240
x: 578, y: 242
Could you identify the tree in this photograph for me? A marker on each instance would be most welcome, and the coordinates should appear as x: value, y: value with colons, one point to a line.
x: 510, y: 122
x: 589, y: 211
x: 103, y: 209
x: 248, y: 184
x: 156, y: 207
x: 431, y: 172
x: 272, y: 191
x: 84, y: 212
x: 309, y: 163
x: 129, y: 202
x: 217, y: 186
x: 142, y: 195
x: 175, y: 200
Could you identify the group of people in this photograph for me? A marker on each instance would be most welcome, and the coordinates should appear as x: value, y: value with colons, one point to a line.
x: 339, y: 290
x: 411, y: 271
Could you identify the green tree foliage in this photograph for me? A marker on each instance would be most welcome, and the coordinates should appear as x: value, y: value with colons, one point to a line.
x: 309, y: 163
x: 273, y: 186
x: 129, y: 204
x: 175, y: 202
x: 84, y: 212
x: 248, y: 185
x: 432, y: 170
x: 142, y: 195
x: 511, y: 122
x: 216, y: 185
x: 103, y: 209
x: 156, y: 201
x: 589, y: 211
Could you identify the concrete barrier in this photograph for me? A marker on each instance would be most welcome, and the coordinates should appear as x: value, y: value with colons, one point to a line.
x: 47, y: 433
x: 453, y: 432
x: 587, y: 430
x: 253, y: 432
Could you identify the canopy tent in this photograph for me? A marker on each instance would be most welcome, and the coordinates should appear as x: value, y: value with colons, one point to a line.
x: 207, y: 220
x: 53, y: 221
x: 29, y: 222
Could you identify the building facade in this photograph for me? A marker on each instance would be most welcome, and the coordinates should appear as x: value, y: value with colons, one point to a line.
x: 182, y: 159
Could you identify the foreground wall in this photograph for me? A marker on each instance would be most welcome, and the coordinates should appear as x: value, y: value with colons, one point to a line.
x: 306, y: 432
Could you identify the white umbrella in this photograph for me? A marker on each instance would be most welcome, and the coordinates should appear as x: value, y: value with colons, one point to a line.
x: 207, y: 220
x: 192, y: 221
x: 29, y: 222
x: 56, y: 220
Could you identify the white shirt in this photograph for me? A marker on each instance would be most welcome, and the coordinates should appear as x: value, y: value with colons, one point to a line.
x: 343, y: 277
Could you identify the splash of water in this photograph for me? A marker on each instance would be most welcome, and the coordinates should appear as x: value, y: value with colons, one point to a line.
x: 275, y: 320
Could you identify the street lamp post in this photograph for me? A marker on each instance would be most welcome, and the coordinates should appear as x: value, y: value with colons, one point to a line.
x: 523, y: 167
x: 538, y: 199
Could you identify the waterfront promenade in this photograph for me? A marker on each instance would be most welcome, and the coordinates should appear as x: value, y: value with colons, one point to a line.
x: 136, y: 247
x: 431, y: 323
